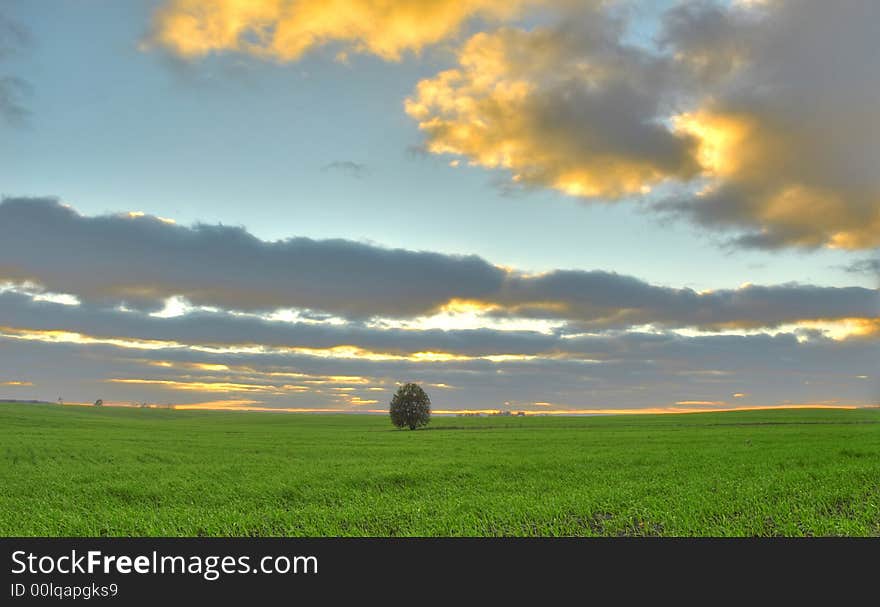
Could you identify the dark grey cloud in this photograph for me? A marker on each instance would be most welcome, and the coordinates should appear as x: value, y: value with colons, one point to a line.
x: 603, y: 299
x: 708, y: 37
x: 141, y: 261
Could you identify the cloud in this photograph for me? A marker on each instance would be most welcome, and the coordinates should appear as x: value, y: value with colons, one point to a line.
x: 348, y: 167
x: 761, y: 118
x: 13, y: 37
x: 870, y: 267
x: 707, y: 38
x: 219, y: 340
x: 284, y: 30
x: 141, y: 261
x: 569, y: 107
x: 223, y: 329
x: 13, y: 90
x: 786, y: 120
x: 601, y: 299
x: 637, y: 370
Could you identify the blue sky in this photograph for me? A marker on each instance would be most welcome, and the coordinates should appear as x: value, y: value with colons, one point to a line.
x: 116, y: 122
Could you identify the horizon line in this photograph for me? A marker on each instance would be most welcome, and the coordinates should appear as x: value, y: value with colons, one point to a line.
x: 253, y: 407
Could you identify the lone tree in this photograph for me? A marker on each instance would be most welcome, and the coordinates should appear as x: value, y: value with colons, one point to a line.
x: 410, y: 407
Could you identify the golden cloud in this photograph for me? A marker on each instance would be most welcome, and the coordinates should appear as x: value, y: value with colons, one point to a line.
x: 284, y: 30
x: 778, y: 181
x: 782, y: 148
x: 785, y: 145
x: 201, y: 386
x: 556, y: 109
x: 71, y: 337
x: 845, y: 328
x: 786, y: 104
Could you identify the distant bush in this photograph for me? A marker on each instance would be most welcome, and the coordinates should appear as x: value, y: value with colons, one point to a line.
x: 410, y: 407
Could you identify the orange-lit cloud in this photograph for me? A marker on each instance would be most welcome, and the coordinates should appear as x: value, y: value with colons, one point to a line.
x: 721, y: 140
x: 764, y: 124
x: 844, y: 328
x: 16, y: 384
x: 786, y: 99
x: 460, y: 314
x: 284, y: 30
x: 356, y: 401
x: 769, y: 121
x: 255, y: 405
x: 560, y: 108
x: 58, y: 336
x: 248, y: 371
x: 205, y: 386
x: 342, y: 352
x: 219, y: 405
x: 765, y: 177
x: 426, y: 356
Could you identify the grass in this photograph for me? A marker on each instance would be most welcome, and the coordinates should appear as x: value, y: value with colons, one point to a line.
x: 72, y: 471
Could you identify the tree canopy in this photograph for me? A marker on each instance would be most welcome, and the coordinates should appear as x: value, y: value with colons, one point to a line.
x: 410, y: 407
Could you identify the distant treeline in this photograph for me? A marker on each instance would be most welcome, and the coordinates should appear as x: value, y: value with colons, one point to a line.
x: 491, y: 413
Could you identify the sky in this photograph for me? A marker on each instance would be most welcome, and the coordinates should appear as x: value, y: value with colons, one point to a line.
x: 551, y: 206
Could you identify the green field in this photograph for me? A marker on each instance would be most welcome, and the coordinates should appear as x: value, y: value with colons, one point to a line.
x: 79, y: 471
